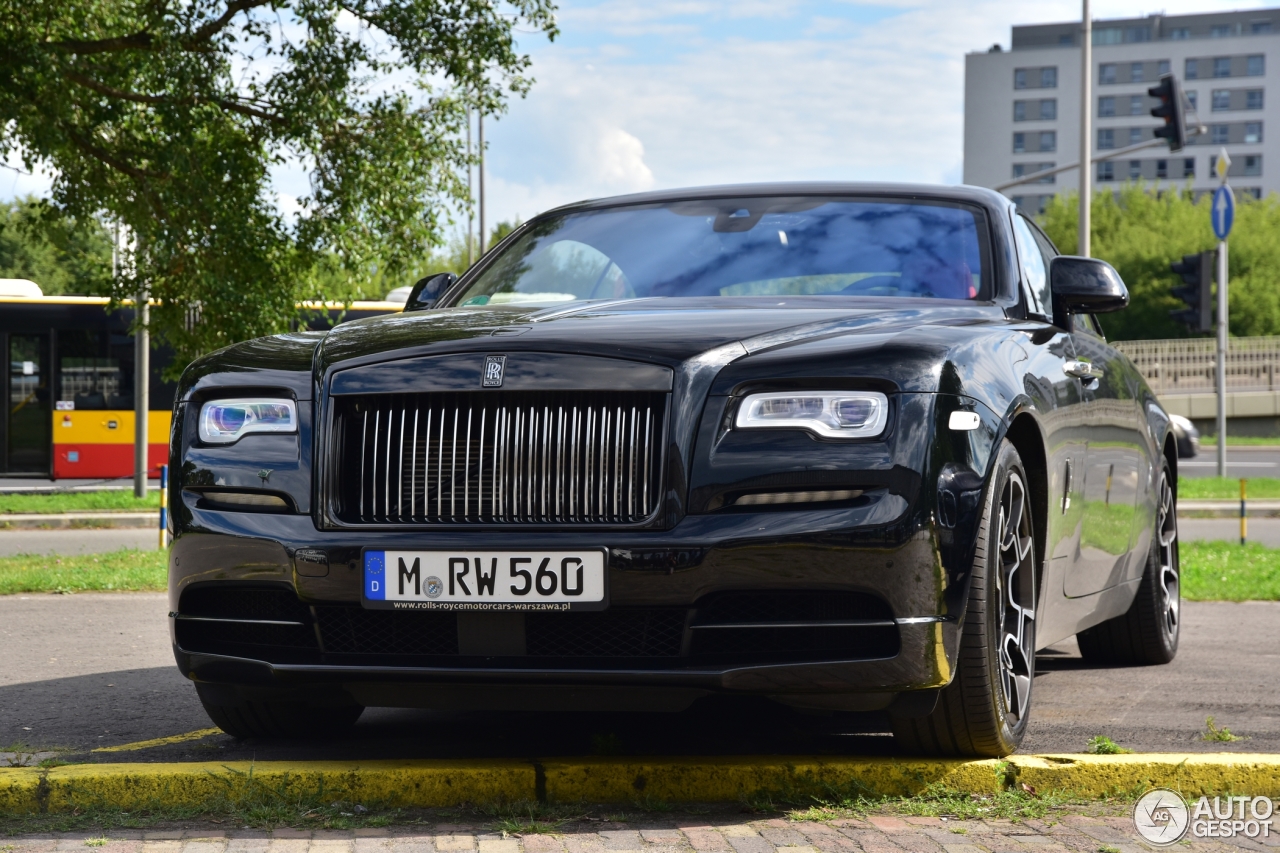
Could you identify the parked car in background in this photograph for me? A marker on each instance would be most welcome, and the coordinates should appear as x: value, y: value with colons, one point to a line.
x: 851, y: 447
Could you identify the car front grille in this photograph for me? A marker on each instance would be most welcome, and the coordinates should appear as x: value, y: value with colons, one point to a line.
x: 499, y: 457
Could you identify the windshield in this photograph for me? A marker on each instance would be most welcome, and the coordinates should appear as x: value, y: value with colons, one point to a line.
x: 744, y: 247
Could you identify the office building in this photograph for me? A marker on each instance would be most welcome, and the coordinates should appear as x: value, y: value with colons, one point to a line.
x: 1022, y: 105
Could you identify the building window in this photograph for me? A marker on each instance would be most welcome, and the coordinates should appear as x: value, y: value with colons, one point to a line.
x: 1049, y: 78
x: 1255, y: 65
x: 1020, y: 78
x: 1252, y: 165
x: 1192, y: 72
x: 1221, y: 100
x: 1106, y: 106
x: 1253, y: 99
x: 1108, y: 35
x: 1048, y: 140
x: 1188, y: 167
x: 1049, y: 109
x: 1023, y: 169
x: 1106, y: 139
x: 1220, y: 31
x: 1135, y: 135
x: 1135, y: 170
x: 1106, y: 73
x: 1019, y: 110
x: 1258, y: 28
x: 1220, y: 134
x: 1253, y: 131
x: 1191, y: 98
x: 1066, y: 39
x: 1222, y: 66
x: 1137, y: 34
x: 1137, y: 105
x: 1106, y: 171
x: 1135, y: 72
x: 1180, y: 33
x: 1162, y: 67
x: 1162, y: 168
x: 1254, y: 193
x: 1019, y: 143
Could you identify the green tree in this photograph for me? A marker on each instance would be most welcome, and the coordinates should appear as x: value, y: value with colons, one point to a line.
x: 61, y: 255
x: 1140, y: 233
x: 169, y: 116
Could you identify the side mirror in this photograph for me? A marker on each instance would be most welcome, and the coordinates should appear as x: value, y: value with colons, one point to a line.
x: 1086, y: 286
x: 427, y: 291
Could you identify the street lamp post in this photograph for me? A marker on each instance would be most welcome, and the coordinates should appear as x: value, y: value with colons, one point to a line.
x: 1086, y: 115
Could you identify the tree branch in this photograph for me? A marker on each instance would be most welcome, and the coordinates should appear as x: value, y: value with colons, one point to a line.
x: 104, y: 89
x: 145, y: 40
x: 110, y: 159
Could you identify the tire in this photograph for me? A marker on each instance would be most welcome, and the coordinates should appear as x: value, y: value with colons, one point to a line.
x: 244, y: 718
x: 985, y: 710
x: 1148, y: 633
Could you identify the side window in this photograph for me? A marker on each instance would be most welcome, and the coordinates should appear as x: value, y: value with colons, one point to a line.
x: 1035, y: 267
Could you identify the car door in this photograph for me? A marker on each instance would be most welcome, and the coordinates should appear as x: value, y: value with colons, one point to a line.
x: 1116, y: 466
x: 1059, y: 399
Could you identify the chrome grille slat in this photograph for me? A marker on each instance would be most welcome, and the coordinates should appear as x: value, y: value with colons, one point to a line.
x: 499, y: 457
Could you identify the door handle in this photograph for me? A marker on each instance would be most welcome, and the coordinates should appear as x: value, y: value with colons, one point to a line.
x: 1082, y: 370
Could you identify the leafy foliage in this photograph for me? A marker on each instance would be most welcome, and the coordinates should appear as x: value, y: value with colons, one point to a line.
x: 1140, y: 233
x: 61, y: 254
x: 171, y: 116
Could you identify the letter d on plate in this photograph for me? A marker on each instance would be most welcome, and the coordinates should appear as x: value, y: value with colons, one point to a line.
x: 375, y: 575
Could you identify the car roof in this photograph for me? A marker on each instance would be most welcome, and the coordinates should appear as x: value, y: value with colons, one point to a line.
x: 960, y: 193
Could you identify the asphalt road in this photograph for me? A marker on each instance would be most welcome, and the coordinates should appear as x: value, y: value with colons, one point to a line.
x: 1241, y: 462
x: 95, y: 670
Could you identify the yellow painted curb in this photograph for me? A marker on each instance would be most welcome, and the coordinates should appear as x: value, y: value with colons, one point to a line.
x: 428, y: 783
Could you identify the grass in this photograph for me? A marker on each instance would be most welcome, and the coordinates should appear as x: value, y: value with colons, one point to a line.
x: 57, y: 502
x: 1016, y: 803
x: 1226, y: 488
x: 1103, y: 745
x: 1228, y: 571
x: 1239, y: 441
x: 124, y: 570
x: 1219, y: 735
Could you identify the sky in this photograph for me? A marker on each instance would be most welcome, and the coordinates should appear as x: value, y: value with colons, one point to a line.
x: 653, y: 94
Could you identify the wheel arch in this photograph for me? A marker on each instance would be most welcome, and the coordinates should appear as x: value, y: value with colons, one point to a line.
x: 1025, y: 436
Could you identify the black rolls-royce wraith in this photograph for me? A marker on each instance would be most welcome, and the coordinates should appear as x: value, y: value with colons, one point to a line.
x: 853, y: 447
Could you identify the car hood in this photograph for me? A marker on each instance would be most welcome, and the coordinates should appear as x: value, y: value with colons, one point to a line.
x: 665, y: 331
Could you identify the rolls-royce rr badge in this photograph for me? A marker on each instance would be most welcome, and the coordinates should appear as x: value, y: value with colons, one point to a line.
x: 493, y: 367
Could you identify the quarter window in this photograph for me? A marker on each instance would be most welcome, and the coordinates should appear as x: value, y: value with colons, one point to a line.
x: 1035, y: 267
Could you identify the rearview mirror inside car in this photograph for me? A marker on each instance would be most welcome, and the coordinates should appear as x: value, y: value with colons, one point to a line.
x: 427, y: 291
x: 1086, y: 286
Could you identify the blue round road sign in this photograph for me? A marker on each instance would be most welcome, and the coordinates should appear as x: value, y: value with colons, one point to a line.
x: 1223, y: 211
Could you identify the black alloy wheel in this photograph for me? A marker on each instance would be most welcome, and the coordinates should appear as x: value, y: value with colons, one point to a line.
x: 1148, y: 632
x: 986, y: 708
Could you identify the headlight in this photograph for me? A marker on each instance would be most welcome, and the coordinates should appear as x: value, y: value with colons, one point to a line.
x: 831, y: 414
x: 225, y: 421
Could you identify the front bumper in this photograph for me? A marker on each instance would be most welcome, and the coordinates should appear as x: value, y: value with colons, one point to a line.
x: 875, y: 548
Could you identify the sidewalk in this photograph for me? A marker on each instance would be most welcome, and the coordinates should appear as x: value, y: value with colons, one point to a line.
x: 1058, y: 832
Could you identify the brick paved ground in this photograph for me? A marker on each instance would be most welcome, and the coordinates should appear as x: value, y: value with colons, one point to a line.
x: 878, y: 834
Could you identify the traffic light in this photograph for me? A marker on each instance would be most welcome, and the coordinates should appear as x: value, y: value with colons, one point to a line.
x: 1196, y: 292
x: 1171, y: 109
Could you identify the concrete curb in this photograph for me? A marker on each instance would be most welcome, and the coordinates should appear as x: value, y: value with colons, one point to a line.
x: 436, y: 783
x: 103, y: 518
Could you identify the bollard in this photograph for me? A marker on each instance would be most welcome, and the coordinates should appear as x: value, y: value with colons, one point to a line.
x: 1244, y: 520
x: 164, y: 503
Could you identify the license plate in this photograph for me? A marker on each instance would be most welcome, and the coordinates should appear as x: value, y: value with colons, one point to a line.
x: 485, y: 580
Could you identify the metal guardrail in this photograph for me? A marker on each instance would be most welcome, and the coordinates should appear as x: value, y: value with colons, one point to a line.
x: 1187, y: 365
